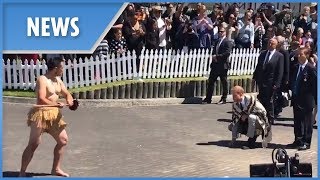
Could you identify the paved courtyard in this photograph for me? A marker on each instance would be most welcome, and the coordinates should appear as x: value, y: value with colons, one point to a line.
x: 151, y: 141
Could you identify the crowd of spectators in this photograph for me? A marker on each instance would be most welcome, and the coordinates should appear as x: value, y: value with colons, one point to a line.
x: 179, y: 26
x: 195, y: 25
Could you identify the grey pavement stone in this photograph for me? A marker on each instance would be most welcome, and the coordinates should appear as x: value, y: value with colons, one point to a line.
x: 186, y: 140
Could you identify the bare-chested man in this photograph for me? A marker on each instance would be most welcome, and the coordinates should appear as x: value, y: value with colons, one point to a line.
x: 48, y: 119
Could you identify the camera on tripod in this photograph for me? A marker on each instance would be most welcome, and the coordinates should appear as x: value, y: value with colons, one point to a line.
x: 282, y: 166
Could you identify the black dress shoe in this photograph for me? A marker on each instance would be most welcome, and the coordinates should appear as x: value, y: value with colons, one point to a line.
x: 208, y: 101
x: 222, y: 101
x: 302, y: 148
x: 251, y: 143
x: 271, y: 121
x: 292, y: 145
x: 308, y: 145
x: 248, y: 147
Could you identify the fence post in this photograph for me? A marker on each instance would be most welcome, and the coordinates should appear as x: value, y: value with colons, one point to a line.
x: 15, y: 75
x: 164, y: 63
x: 182, y: 64
x: 26, y: 74
x: 124, y: 67
x: 32, y: 75
x: 4, y: 83
x: 143, y: 60
x: 108, y: 64
x: 19, y: 66
x: 155, y: 62
x: 9, y: 74
x: 118, y: 71
x: 172, y: 63
x: 168, y: 65
x: 75, y: 73
x: 177, y: 63
x: 159, y: 63
x: 134, y: 64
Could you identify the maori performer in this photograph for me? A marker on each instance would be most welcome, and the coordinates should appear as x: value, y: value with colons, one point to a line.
x: 249, y: 118
x: 46, y: 116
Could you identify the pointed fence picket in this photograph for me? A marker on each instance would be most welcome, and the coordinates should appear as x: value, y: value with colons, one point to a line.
x: 22, y: 74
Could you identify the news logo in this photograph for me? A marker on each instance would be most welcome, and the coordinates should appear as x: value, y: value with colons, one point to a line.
x: 40, y: 26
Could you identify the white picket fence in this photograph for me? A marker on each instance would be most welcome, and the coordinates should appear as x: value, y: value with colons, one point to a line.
x: 19, y: 74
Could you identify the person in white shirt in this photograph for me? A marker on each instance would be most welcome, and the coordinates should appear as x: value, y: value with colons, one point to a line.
x: 246, y: 32
x: 164, y: 25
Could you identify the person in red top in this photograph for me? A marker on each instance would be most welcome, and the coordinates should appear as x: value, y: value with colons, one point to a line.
x: 34, y: 57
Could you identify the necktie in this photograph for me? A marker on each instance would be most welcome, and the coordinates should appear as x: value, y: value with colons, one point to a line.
x: 296, y: 84
x: 218, y: 45
x: 266, y: 59
x: 240, y: 105
x: 299, y: 72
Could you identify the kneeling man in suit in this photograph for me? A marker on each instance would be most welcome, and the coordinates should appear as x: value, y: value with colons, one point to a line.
x: 249, y: 118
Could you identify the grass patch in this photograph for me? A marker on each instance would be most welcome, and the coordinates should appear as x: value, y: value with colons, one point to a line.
x: 19, y: 93
x: 30, y: 93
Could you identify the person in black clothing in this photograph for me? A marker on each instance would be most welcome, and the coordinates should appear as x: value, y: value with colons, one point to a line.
x: 279, y: 101
x: 294, y: 47
x: 129, y: 9
x: 268, y: 75
x: 152, y: 36
x: 270, y: 33
x: 116, y: 26
x: 220, y: 66
x: 190, y: 38
x: 178, y: 23
x: 134, y: 33
x: 169, y: 12
x: 303, y: 84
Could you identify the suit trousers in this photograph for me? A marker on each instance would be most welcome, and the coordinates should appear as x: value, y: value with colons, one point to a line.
x: 214, y: 74
x: 303, y: 125
x: 278, y: 102
x: 266, y: 97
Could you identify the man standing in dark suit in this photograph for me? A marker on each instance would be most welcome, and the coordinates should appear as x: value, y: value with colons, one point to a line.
x: 219, y: 66
x: 268, y: 75
x: 303, y: 83
x: 285, y: 78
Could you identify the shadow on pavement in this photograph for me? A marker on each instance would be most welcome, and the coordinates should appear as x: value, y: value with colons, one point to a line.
x: 282, y: 124
x: 192, y: 100
x: 284, y: 119
x: 225, y: 120
x: 290, y: 125
x: 276, y: 123
x: 239, y: 144
x: 16, y: 174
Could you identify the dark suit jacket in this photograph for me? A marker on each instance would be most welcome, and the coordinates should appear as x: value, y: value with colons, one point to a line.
x: 152, y: 39
x: 307, y: 87
x: 272, y: 73
x: 286, y: 65
x: 222, y: 54
x: 293, y: 62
